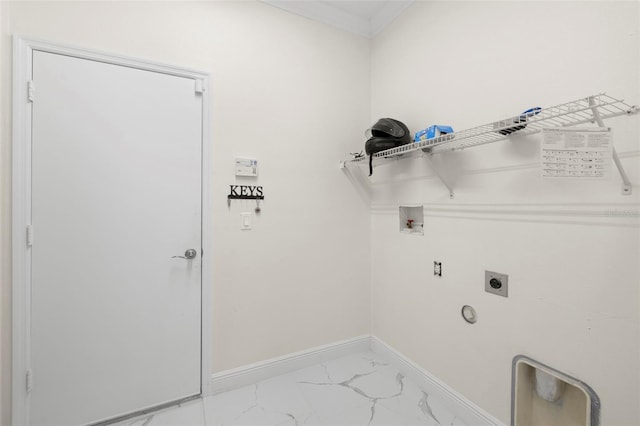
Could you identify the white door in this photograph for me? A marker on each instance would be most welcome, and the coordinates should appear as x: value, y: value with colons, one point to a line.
x: 116, y: 193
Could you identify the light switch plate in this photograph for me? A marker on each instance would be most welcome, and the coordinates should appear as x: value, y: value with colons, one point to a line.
x: 245, y: 220
x: 496, y: 283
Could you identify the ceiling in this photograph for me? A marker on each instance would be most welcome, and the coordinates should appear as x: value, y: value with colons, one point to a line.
x: 363, y: 17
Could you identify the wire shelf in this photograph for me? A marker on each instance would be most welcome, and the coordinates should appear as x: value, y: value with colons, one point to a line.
x: 563, y: 115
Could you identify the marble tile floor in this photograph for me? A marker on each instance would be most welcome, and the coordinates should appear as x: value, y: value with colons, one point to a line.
x: 356, y: 390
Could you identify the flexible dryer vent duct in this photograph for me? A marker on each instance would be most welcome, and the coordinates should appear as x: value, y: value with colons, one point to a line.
x: 542, y: 395
x: 548, y: 387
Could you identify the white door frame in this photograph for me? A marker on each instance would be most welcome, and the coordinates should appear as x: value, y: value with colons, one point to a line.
x: 21, y: 205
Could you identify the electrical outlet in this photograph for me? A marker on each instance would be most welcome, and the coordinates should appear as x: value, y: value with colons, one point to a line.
x: 496, y: 283
x: 437, y: 269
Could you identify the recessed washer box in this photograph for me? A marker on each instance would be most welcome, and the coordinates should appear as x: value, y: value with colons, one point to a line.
x: 411, y: 220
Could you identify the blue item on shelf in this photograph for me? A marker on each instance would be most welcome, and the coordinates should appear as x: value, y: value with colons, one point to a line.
x: 432, y: 132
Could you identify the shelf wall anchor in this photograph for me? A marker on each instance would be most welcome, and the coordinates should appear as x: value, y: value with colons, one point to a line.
x: 626, y: 183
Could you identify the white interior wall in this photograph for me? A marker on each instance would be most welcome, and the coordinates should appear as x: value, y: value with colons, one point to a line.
x: 571, y: 249
x: 462, y: 64
x: 285, y: 90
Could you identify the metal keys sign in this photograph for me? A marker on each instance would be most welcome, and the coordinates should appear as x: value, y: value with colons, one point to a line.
x: 245, y: 192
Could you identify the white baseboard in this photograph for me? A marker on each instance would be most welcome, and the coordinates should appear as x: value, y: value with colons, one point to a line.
x: 239, y: 377
x: 466, y: 410
x: 252, y: 373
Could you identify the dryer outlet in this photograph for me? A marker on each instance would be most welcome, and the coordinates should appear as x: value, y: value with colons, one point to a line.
x: 496, y: 283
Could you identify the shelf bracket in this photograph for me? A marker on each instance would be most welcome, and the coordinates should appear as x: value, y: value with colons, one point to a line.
x: 359, y: 180
x: 626, y: 183
x: 442, y: 179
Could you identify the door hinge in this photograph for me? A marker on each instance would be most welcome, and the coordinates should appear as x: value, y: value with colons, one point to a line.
x: 199, y: 86
x: 29, y: 235
x: 31, y: 90
x: 29, y: 381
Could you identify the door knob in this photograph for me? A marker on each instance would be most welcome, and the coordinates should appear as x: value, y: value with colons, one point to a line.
x: 189, y: 254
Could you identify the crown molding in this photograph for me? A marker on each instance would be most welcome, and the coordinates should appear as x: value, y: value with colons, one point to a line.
x: 326, y: 13
x: 390, y: 11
